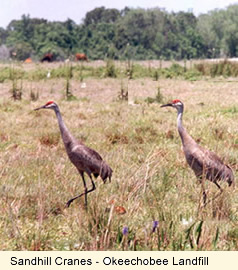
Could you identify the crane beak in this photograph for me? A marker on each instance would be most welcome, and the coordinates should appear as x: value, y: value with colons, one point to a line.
x: 42, y: 107
x: 166, y: 105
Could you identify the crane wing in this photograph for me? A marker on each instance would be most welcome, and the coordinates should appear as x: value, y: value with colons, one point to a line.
x: 93, y: 153
x: 87, y: 159
x: 203, y: 161
x: 86, y: 152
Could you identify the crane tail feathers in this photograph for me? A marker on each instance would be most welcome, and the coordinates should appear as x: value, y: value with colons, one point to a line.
x: 105, y: 172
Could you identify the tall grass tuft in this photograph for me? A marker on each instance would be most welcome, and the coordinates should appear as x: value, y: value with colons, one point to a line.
x: 34, y: 95
x: 110, y: 70
x: 130, y: 69
x: 68, y: 77
x: 220, y: 68
x: 123, y: 93
x: 15, y: 75
x: 157, y: 99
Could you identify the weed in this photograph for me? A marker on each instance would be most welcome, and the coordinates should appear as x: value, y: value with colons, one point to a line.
x: 192, y: 75
x: 110, y: 69
x: 114, y: 138
x: 220, y: 68
x: 16, y: 90
x: 69, y: 75
x: 49, y: 139
x: 158, y: 98
x: 34, y: 95
x: 14, y: 76
x: 123, y: 94
x: 156, y: 75
x: 130, y: 69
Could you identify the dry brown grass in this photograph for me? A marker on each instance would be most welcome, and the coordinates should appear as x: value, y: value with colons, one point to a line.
x: 151, y: 180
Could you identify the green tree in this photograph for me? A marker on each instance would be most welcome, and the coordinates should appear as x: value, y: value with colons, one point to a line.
x: 229, y: 40
x: 129, y: 33
x: 101, y: 15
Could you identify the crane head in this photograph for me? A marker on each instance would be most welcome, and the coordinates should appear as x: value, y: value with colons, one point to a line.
x: 49, y: 105
x: 176, y: 103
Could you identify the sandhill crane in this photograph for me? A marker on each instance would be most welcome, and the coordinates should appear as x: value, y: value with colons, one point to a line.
x: 204, y: 163
x: 85, y: 159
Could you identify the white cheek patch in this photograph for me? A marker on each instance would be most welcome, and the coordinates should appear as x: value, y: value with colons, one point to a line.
x: 50, y: 105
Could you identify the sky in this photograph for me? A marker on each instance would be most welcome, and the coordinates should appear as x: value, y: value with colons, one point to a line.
x: 60, y: 10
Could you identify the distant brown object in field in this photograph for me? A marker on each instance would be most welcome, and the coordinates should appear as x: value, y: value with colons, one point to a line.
x: 28, y: 60
x: 81, y: 57
x: 48, y: 57
x: 120, y: 210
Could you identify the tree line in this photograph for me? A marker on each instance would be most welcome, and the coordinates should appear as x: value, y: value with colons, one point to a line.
x: 138, y: 34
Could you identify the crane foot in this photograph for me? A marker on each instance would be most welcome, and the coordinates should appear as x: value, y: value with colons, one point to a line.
x: 69, y: 202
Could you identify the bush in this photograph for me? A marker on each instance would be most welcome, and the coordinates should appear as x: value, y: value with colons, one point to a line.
x: 21, y: 50
x: 220, y: 68
x: 110, y: 69
x: 4, y: 74
x: 192, y: 75
x: 158, y: 98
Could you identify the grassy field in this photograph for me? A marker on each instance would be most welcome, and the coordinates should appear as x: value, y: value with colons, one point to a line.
x: 139, y: 140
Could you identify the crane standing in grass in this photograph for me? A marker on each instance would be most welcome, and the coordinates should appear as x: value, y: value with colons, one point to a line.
x: 84, y: 158
x: 204, y: 163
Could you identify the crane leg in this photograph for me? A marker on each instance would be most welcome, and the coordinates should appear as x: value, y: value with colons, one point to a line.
x: 204, y: 194
x: 86, y: 191
x: 204, y: 197
x: 221, y: 190
x: 216, y: 196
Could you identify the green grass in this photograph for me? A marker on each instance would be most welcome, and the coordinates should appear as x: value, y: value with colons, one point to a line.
x: 112, y: 69
x: 151, y: 179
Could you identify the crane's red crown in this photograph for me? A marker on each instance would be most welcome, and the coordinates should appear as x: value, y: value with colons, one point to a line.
x: 176, y: 101
x: 49, y: 102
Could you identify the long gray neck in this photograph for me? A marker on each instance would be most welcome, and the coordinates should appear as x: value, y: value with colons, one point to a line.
x: 185, y: 137
x: 67, y: 137
x: 181, y: 129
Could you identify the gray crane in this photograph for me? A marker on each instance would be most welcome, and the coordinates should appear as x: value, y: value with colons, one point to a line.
x: 85, y: 159
x: 203, y: 162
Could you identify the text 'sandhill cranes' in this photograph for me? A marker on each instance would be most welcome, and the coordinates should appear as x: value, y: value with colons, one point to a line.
x: 204, y: 163
x: 85, y: 159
